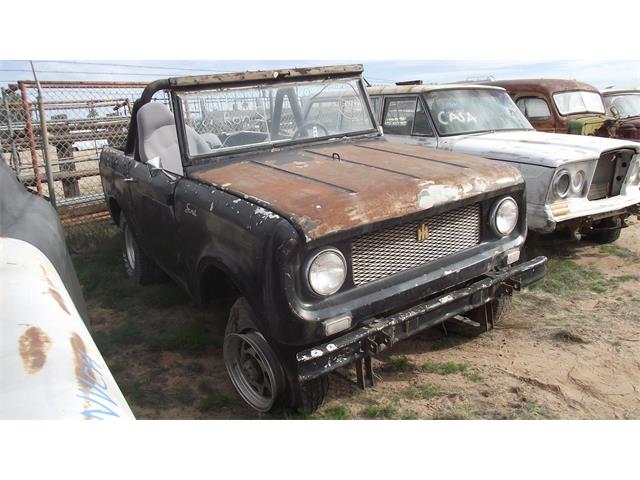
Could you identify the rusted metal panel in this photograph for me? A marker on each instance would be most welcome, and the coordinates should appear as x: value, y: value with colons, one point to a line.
x: 546, y: 86
x: 50, y: 367
x: 587, y: 123
x: 264, y: 75
x: 330, y: 189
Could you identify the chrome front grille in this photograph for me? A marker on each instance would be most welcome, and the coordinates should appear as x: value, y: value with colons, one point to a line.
x: 380, y: 254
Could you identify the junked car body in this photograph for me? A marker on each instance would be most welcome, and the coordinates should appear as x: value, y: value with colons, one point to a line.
x: 336, y: 243
x: 561, y: 106
x: 582, y: 184
x: 624, y: 104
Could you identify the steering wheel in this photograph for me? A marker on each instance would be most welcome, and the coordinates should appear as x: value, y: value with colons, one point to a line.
x: 303, y: 128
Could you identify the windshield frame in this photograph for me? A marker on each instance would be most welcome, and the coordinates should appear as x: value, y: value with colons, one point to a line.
x: 474, y: 132
x: 188, y: 159
x: 578, y: 90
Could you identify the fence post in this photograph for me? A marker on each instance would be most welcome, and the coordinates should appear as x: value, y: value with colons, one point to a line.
x: 45, y: 141
x: 15, y: 159
x: 32, y: 141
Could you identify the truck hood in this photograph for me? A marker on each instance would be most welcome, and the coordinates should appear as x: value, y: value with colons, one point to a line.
x: 326, y: 189
x: 535, y: 148
x: 628, y: 128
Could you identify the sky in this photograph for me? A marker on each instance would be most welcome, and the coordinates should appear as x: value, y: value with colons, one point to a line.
x: 598, y: 73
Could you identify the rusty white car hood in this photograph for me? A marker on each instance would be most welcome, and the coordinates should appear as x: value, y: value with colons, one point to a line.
x: 537, y: 148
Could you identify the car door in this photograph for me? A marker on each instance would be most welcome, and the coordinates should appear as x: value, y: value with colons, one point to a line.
x: 155, y: 226
x: 537, y: 111
x: 406, y: 117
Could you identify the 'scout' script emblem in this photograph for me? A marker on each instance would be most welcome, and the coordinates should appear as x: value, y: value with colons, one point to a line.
x: 422, y: 233
x: 190, y: 210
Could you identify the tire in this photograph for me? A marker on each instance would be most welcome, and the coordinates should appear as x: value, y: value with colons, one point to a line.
x: 606, y: 236
x: 312, y: 395
x: 253, y: 367
x: 139, y: 267
x: 285, y: 390
x: 500, y: 305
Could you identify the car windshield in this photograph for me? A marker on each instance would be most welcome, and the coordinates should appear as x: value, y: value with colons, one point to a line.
x: 231, y: 119
x: 628, y: 105
x: 456, y: 112
x: 569, y: 103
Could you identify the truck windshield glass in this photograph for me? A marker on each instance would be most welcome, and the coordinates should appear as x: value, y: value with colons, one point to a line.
x: 569, y: 103
x: 456, y: 112
x: 231, y: 119
x: 628, y: 105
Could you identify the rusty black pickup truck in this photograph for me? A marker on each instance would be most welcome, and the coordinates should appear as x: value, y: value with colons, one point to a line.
x: 336, y: 243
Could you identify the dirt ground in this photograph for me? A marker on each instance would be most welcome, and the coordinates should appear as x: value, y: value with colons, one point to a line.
x: 568, y: 349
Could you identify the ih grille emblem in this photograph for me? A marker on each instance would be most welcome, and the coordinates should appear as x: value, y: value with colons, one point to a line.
x: 423, y: 232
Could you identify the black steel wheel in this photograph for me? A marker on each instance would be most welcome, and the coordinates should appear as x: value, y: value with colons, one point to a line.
x: 254, y: 369
x: 252, y: 365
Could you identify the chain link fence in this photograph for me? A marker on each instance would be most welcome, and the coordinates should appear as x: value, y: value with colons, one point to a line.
x: 52, y: 133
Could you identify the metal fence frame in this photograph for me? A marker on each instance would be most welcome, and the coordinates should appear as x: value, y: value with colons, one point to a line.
x: 51, y: 133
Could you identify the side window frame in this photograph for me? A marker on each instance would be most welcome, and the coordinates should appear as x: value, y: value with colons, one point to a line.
x: 524, y: 98
x: 427, y: 117
x: 418, y: 102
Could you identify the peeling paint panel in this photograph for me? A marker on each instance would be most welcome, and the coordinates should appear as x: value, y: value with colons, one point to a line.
x: 50, y: 365
x: 371, y: 182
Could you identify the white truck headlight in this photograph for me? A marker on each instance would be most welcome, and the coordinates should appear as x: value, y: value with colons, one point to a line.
x: 505, y: 216
x: 326, y: 271
x: 577, y: 181
x: 562, y: 184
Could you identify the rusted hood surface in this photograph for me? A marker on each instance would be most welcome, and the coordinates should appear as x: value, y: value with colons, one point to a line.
x: 326, y: 189
x: 629, y: 128
x: 536, y: 148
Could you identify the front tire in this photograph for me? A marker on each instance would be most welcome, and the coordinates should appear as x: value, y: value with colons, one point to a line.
x: 139, y: 267
x: 258, y: 374
x: 252, y: 365
x: 613, y: 228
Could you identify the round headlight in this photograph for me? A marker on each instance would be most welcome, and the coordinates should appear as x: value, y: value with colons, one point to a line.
x: 505, y: 216
x: 577, y: 181
x: 561, y: 184
x: 326, y: 271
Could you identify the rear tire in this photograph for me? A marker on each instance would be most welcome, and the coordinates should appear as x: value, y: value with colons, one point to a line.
x: 139, y: 267
x: 606, y: 236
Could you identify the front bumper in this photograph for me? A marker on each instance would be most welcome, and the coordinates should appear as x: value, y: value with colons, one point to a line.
x: 376, y: 334
x: 579, y: 212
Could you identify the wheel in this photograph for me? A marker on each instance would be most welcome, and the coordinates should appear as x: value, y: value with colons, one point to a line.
x: 479, y: 324
x: 257, y: 373
x: 252, y: 365
x: 137, y: 264
x: 610, y: 233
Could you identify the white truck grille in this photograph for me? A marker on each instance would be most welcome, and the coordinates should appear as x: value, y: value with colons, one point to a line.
x: 380, y: 254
